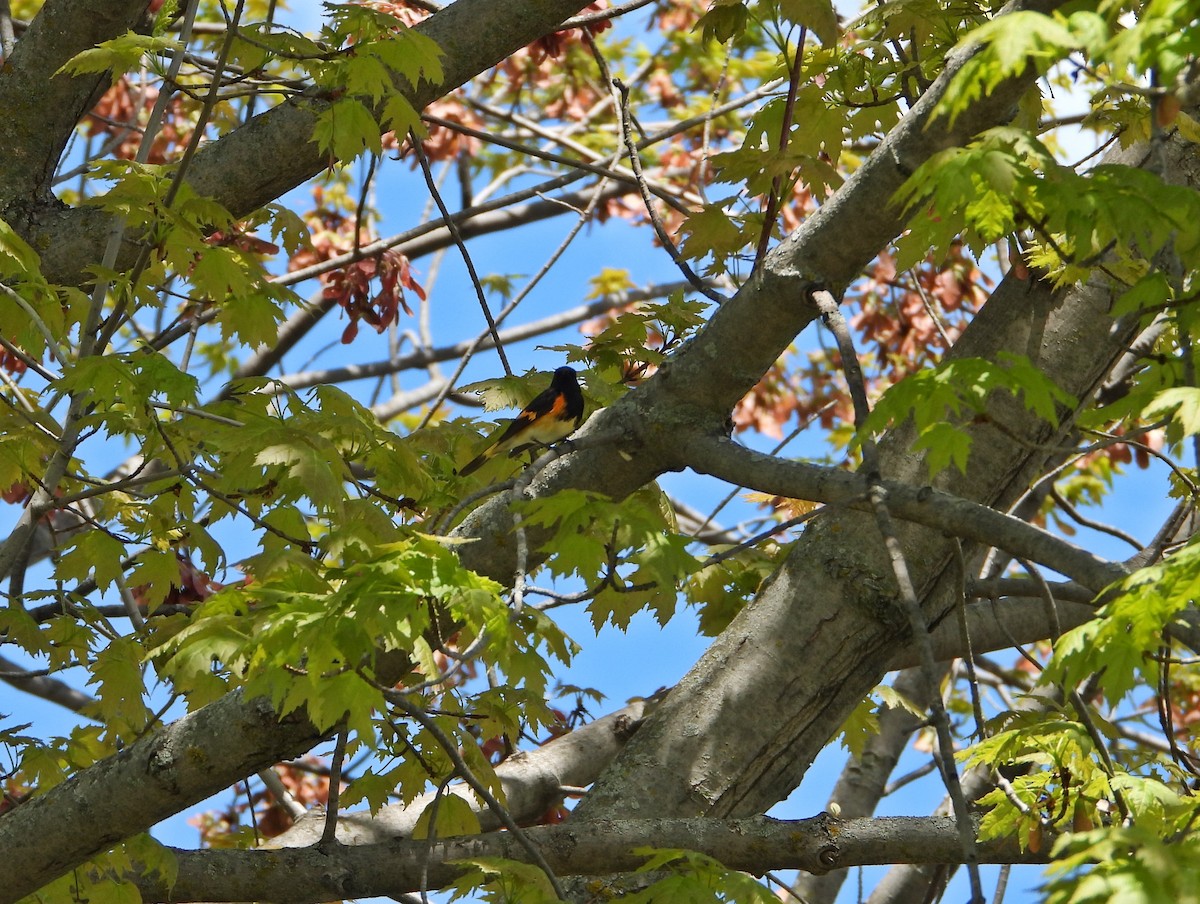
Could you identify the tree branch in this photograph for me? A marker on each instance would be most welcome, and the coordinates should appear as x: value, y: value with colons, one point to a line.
x: 532, y: 781
x: 307, y: 876
x: 721, y: 457
x: 41, y: 108
x: 273, y: 152
x: 191, y: 759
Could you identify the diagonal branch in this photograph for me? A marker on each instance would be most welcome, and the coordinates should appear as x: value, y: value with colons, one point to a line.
x: 532, y: 781
x: 273, y: 152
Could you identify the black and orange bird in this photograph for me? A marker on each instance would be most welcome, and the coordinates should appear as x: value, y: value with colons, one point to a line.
x: 553, y: 415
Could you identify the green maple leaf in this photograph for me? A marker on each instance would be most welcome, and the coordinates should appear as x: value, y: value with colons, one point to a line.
x: 92, y: 552
x: 346, y: 129
x: 711, y: 231
x: 310, y: 460
x: 252, y: 317
x: 117, y: 671
x: 450, y: 815
x: 818, y: 15
x: 121, y: 54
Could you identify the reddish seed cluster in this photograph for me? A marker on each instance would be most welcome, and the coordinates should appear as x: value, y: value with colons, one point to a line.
x: 123, y: 111
x: 11, y: 362
x: 306, y: 781
x: 352, y: 286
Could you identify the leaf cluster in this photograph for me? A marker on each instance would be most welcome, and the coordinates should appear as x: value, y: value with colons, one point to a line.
x: 1163, y: 39
x: 939, y: 400
x: 628, y: 554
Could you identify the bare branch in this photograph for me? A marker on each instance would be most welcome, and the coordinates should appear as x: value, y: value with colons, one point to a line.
x: 721, y: 457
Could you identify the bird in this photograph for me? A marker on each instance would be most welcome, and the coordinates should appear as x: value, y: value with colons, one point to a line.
x: 554, y: 414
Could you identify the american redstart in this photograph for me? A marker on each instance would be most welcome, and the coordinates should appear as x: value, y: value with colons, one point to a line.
x: 551, y: 416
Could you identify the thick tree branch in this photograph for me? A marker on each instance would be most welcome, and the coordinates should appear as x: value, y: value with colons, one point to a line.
x: 191, y: 759
x: 721, y: 457
x: 273, y: 152
x: 41, y: 108
x: 308, y: 875
x: 532, y: 780
x: 996, y: 626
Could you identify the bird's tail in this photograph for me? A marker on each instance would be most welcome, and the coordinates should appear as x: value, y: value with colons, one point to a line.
x: 477, y: 462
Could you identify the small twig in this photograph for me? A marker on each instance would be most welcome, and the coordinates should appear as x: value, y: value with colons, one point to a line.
x: 245, y: 787
x: 519, y: 491
x: 705, y: 152
x: 415, y: 143
x: 1166, y: 535
x: 520, y: 575
x: 248, y: 113
x: 360, y: 212
x: 1101, y: 745
x: 130, y: 604
x: 833, y: 319
x: 789, y: 112
x: 604, y: 14
x: 51, y: 343
x: 1166, y: 717
x: 1047, y: 598
x: 7, y: 36
x: 1001, y: 884
x: 1079, y: 518
x: 968, y: 651
x: 927, y: 302
x: 329, y: 833
x: 401, y: 701
x: 431, y: 839
x: 447, y: 520
x: 655, y: 220
x: 280, y: 792
x: 1011, y: 793
x: 920, y: 772
x: 635, y: 162
x: 29, y: 362
x: 766, y: 534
